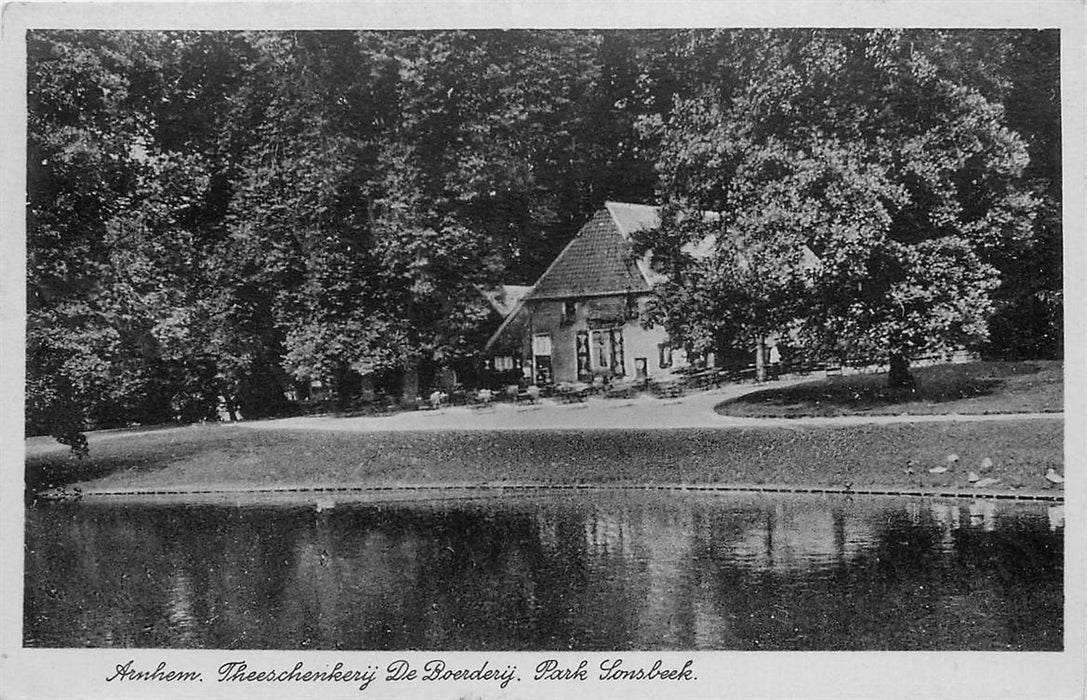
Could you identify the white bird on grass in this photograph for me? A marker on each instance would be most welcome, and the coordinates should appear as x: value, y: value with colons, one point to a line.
x: 972, y: 477
x: 986, y: 464
x: 1053, y: 477
x: 950, y: 463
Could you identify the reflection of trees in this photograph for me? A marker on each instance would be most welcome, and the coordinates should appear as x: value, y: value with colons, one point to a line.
x: 238, y: 561
x: 1014, y: 567
x: 179, y: 605
x: 88, y: 579
x: 353, y: 585
x: 153, y: 577
x: 772, y: 566
x: 958, y: 577
x: 625, y: 573
x: 791, y: 537
x: 480, y: 578
x: 861, y: 577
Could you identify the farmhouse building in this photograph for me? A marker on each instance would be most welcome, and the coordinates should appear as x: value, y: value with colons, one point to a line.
x: 581, y: 319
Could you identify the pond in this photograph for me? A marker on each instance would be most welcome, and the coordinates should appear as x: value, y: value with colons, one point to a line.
x: 579, y: 571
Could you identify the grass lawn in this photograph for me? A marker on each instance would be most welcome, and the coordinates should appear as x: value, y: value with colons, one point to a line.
x: 975, y: 387
x: 867, y: 455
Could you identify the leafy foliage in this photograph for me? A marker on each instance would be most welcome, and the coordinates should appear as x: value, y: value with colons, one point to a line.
x: 906, y: 185
x: 214, y: 219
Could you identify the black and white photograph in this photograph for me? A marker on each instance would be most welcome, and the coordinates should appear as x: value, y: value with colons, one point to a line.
x: 487, y: 357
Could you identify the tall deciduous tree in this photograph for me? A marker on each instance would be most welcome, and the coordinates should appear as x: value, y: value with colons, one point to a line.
x: 225, y: 214
x: 126, y: 186
x: 903, y: 182
x: 475, y: 117
x: 84, y: 187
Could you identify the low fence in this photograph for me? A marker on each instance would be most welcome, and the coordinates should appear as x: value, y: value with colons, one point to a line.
x: 435, y: 492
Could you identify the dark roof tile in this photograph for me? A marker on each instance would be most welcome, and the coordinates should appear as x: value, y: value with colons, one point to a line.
x: 597, y: 261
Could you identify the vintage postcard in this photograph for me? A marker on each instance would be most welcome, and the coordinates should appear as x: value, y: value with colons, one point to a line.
x: 534, y: 350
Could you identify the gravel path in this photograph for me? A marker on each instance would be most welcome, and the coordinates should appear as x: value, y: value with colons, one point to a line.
x: 642, y: 412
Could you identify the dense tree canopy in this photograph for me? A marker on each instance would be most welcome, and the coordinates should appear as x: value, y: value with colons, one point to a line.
x: 218, y: 218
x: 904, y: 180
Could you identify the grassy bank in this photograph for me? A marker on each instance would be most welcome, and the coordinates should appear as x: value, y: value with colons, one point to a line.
x: 867, y: 455
x: 975, y: 387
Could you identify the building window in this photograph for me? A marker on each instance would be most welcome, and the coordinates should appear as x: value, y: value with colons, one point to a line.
x: 541, y: 351
x: 607, y: 350
x: 503, y: 364
x: 665, y: 355
x: 569, y: 312
x: 541, y: 344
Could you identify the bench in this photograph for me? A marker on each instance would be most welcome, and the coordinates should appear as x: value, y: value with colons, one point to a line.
x: 673, y: 389
x: 570, y: 394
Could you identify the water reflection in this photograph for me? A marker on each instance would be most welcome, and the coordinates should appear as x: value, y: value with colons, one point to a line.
x: 632, y: 571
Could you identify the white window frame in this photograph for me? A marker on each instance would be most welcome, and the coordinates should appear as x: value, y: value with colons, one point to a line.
x: 541, y: 344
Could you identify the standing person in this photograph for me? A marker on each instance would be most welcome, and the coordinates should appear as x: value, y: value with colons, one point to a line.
x: 775, y: 361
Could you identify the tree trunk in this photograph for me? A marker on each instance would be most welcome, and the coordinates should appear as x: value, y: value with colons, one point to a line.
x: 409, y: 383
x: 760, y: 359
x: 339, y: 386
x: 899, y: 376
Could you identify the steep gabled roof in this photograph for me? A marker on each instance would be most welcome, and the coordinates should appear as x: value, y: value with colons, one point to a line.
x: 599, y: 259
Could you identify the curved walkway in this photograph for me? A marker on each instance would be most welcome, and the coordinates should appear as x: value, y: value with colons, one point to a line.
x: 640, y: 413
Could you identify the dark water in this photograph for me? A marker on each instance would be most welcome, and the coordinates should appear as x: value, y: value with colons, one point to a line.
x: 599, y: 571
